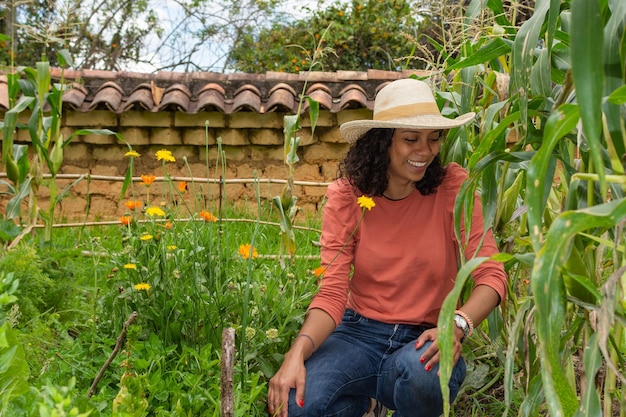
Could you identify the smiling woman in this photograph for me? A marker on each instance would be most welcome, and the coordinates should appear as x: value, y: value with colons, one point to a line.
x: 364, y: 332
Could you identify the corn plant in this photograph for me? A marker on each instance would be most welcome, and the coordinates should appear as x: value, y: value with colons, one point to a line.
x: 32, y: 90
x: 555, y: 194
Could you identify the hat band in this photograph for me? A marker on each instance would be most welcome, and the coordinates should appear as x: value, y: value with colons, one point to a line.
x: 407, y: 110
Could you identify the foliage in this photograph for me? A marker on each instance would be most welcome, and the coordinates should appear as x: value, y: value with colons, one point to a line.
x: 118, y: 34
x: 34, y: 291
x: 546, y: 155
x: 33, y: 94
x: 365, y: 34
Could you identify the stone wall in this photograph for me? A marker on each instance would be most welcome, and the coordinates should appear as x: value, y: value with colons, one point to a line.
x: 252, y: 144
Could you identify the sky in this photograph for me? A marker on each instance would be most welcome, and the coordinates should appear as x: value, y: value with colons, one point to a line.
x: 169, y: 13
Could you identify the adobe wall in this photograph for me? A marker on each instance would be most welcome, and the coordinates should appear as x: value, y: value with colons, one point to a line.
x: 252, y: 143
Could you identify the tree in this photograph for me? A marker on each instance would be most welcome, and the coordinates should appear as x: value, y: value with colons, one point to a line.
x: 364, y: 34
x: 152, y: 35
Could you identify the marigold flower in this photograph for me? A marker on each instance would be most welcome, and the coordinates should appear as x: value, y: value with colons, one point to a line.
x: 130, y: 266
x: 132, y: 153
x: 147, y: 180
x: 126, y: 220
x: 366, y: 202
x: 208, y: 216
x: 168, y: 225
x: 182, y: 187
x: 142, y: 286
x: 133, y: 205
x: 244, y: 251
x: 165, y: 155
x: 319, y: 271
x: 155, y: 211
x: 146, y: 237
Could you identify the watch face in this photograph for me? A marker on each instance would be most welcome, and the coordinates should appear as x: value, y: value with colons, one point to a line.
x: 460, y: 322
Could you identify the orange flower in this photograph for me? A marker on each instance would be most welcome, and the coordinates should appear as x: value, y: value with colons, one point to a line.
x: 208, y: 216
x: 147, y: 180
x: 319, y: 271
x: 244, y: 251
x: 182, y: 187
x: 133, y: 205
x: 126, y: 220
x: 168, y: 225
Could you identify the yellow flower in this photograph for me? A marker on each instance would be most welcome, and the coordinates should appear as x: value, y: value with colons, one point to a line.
x: 165, y: 155
x: 172, y: 247
x: 271, y: 333
x: 143, y: 287
x: 147, y: 179
x: 208, y: 216
x: 132, y: 153
x: 130, y: 266
x: 244, y: 251
x: 366, y: 202
x: 146, y: 237
x: 155, y: 211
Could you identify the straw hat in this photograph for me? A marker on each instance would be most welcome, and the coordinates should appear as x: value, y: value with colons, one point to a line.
x: 404, y: 104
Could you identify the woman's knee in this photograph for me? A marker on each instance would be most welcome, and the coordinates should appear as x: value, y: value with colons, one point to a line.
x: 414, y: 384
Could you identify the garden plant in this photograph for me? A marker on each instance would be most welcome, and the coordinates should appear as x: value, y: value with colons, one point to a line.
x: 545, y: 153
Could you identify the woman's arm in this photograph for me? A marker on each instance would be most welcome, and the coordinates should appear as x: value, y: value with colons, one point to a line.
x: 317, y: 326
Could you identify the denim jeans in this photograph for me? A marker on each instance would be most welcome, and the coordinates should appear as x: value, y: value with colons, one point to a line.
x: 364, y: 359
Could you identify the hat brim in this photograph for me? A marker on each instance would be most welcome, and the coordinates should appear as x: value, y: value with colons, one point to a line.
x: 354, y: 130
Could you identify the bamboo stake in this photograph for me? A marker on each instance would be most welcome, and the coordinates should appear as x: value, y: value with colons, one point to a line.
x: 116, y: 349
x: 188, y: 179
x: 228, y: 371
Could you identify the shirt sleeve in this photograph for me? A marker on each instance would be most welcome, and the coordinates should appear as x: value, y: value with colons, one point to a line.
x: 339, y: 233
x: 490, y: 273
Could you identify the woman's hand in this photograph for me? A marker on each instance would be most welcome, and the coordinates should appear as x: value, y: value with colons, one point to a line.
x: 431, y: 355
x: 292, y: 374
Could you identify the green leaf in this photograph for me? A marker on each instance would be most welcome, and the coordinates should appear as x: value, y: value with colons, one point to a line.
x: 550, y: 297
x: 618, y: 96
x: 14, y: 370
x: 491, y: 51
x: 314, y: 112
x: 445, y: 324
x: 14, y: 205
x: 592, y: 360
x: 561, y: 122
x: 587, y: 34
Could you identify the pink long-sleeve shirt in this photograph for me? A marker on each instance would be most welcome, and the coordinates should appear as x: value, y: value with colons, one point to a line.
x: 403, y: 258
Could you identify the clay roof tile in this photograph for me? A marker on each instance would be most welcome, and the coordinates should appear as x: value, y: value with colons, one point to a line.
x: 75, y: 96
x: 353, y: 97
x: 247, y: 97
x: 210, y: 98
x: 176, y: 97
x: 140, y: 99
x: 282, y: 98
x: 108, y: 96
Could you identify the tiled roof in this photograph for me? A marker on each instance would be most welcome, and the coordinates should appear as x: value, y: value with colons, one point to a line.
x: 195, y: 92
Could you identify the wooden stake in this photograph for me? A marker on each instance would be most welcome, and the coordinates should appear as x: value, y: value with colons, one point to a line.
x: 228, y: 370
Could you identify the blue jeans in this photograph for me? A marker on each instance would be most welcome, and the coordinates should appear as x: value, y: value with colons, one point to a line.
x: 364, y: 359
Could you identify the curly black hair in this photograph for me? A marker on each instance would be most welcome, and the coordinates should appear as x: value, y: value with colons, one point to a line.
x: 367, y: 162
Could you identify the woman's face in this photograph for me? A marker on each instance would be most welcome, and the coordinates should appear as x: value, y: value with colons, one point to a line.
x: 411, y: 152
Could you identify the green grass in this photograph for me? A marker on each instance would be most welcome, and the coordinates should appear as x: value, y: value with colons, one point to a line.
x: 199, y: 284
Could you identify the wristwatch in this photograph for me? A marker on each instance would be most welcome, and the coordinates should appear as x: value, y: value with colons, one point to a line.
x: 462, y: 324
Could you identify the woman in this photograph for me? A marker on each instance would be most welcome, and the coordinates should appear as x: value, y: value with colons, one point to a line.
x: 371, y: 330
